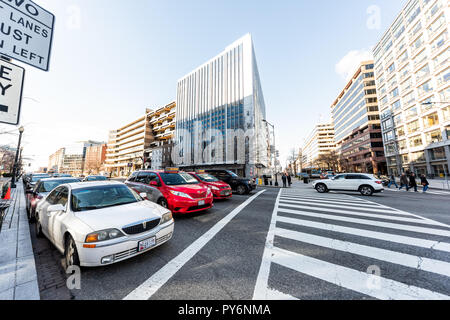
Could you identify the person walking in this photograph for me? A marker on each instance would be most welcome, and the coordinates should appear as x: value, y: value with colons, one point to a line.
x: 404, y: 182
x: 392, y: 182
x: 424, y: 182
x: 413, y: 182
x: 284, y: 178
x: 289, y: 180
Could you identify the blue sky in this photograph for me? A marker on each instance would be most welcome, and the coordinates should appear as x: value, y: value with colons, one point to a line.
x: 111, y: 59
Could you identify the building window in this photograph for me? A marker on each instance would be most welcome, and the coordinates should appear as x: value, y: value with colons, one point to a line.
x: 415, y: 142
x: 431, y: 120
x: 400, y: 132
x: 411, y: 113
x: 434, y: 137
x: 425, y: 88
x: 402, y: 145
x: 446, y: 113
x: 437, y: 154
x: 413, y: 126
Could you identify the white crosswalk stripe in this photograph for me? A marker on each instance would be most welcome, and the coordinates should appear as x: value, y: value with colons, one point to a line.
x: 388, y: 236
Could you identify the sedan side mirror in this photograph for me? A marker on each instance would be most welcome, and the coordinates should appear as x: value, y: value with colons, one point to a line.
x: 143, y: 195
x: 154, y: 183
x: 56, y: 208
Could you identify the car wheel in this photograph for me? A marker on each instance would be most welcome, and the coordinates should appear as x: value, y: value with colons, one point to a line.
x: 38, y: 227
x: 163, y: 203
x: 71, y: 254
x: 241, y: 190
x: 366, y: 191
x: 321, y: 188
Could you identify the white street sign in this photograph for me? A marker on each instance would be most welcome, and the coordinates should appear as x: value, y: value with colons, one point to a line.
x: 26, y: 32
x: 11, y: 84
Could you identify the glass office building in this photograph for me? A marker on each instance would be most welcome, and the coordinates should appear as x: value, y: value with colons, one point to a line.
x: 356, y: 123
x: 220, y: 115
x: 413, y: 83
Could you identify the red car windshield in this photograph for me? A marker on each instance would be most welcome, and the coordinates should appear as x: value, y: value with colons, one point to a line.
x: 178, y: 179
x: 207, y: 178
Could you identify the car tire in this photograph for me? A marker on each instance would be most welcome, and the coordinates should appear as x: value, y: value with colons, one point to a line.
x: 163, y: 203
x: 366, y: 191
x: 38, y: 227
x: 71, y: 257
x: 321, y: 188
x: 241, y: 190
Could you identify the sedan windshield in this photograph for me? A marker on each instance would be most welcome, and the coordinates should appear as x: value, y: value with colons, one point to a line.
x: 102, y: 197
x: 47, y: 186
x: 37, y: 178
x: 177, y: 179
x: 207, y: 177
x: 233, y: 174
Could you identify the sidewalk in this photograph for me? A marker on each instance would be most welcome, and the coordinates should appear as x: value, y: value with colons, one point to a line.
x: 18, y: 278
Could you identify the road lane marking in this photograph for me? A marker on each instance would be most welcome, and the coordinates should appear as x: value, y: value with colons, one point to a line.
x: 407, y: 260
x: 262, y: 291
x: 352, y: 201
x: 344, y: 203
x: 146, y: 290
x: 358, y: 213
x: 423, y: 243
x: 358, y: 281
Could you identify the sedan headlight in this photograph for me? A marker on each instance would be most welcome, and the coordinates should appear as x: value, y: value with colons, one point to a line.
x: 215, y: 188
x: 166, y: 217
x: 181, y: 194
x: 208, y: 193
x: 104, y: 235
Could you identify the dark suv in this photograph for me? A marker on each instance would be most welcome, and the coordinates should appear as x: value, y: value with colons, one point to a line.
x: 239, y: 185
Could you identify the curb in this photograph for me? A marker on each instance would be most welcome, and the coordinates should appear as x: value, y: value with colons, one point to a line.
x: 18, y: 276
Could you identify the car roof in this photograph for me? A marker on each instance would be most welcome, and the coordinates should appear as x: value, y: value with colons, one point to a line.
x: 58, y: 179
x: 83, y: 185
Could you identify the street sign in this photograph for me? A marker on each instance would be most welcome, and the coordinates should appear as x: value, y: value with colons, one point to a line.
x: 11, y: 85
x: 26, y: 32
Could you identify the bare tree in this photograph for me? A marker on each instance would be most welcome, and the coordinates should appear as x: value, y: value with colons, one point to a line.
x: 293, y: 156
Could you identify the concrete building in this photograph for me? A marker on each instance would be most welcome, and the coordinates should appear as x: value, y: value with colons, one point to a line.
x: 95, y: 159
x: 162, y: 122
x: 55, y: 161
x: 220, y: 112
x: 319, y: 142
x: 356, y: 120
x: 412, y: 76
x: 126, y: 145
x: 75, y: 157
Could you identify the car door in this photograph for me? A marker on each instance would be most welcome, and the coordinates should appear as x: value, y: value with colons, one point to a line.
x: 352, y: 182
x: 44, y: 216
x: 57, y: 219
x: 337, y: 183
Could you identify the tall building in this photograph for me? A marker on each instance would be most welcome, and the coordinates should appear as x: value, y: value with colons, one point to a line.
x: 55, y: 161
x: 220, y: 114
x: 320, y: 142
x: 412, y: 77
x: 356, y: 120
x: 75, y: 156
x: 126, y: 145
x: 162, y: 122
x: 95, y: 159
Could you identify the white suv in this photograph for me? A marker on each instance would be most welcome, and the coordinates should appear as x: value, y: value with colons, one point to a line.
x: 366, y: 184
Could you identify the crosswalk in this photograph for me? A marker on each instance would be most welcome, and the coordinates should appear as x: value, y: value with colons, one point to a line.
x: 358, y: 248
x: 435, y: 192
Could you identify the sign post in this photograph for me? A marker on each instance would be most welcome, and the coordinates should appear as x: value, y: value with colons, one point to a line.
x: 26, y: 32
x: 11, y: 88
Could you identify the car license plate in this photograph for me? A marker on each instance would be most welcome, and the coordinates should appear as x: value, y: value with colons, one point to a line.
x: 227, y: 193
x: 201, y: 203
x: 146, y: 244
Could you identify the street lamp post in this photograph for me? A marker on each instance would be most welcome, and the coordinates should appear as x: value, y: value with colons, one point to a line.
x: 13, y: 179
x: 273, y: 153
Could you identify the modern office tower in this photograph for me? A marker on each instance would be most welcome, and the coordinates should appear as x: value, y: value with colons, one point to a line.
x: 221, y: 114
x: 75, y: 157
x: 356, y: 120
x: 412, y: 76
x: 55, y: 161
x: 320, y: 142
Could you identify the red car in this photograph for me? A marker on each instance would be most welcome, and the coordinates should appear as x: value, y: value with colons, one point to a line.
x: 220, y: 189
x: 182, y: 192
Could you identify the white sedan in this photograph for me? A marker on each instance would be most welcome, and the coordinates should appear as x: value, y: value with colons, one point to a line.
x: 366, y: 184
x: 101, y: 223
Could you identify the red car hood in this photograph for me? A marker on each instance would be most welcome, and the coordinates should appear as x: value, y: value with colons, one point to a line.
x: 218, y: 184
x: 194, y: 190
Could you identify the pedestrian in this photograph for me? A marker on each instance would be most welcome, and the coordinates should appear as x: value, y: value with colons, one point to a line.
x: 424, y: 182
x: 284, y: 178
x: 392, y: 182
x: 413, y: 182
x: 404, y: 182
x: 289, y: 179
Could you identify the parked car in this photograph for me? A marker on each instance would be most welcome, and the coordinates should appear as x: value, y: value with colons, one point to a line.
x: 40, y: 191
x: 182, y: 192
x: 95, y: 178
x: 101, y: 223
x: 366, y: 184
x: 34, y: 178
x: 220, y: 189
x: 147, y: 191
x: 239, y: 185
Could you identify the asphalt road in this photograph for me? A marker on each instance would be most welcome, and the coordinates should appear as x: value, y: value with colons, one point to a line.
x: 289, y: 244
